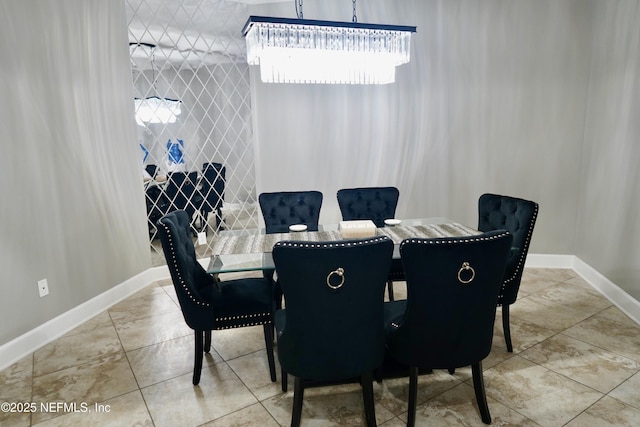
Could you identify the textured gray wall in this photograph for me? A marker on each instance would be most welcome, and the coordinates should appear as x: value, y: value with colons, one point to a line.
x: 532, y: 98
x: 608, y: 236
x: 71, y: 188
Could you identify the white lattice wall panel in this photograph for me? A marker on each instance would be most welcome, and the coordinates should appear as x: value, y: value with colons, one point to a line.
x: 192, y: 51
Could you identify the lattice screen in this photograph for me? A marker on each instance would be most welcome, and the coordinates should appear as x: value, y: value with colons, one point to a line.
x: 192, y: 51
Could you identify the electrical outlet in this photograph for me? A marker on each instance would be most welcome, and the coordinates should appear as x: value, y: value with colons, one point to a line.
x: 202, y: 238
x: 43, y: 287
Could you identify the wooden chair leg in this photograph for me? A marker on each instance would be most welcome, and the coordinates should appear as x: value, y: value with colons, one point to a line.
x: 298, y: 396
x: 451, y: 371
x: 284, y: 379
x: 390, y: 289
x: 199, y: 353
x: 203, y: 220
x: 268, y: 340
x: 207, y: 341
x: 366, y: 383
x: 481, y: 397
x: 506, y: 328
x: 413, y: 396
x: 377, y: 374
x: 219, y: 222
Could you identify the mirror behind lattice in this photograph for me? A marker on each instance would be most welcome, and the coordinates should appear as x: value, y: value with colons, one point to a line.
x: 193, y: 114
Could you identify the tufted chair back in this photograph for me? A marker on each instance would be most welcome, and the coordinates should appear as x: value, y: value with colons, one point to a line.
x: 331, y: 333
x: 190, y: 280
x: 447, y: 320
x: 332, y: 329
x: 282, y: 209
x: 518, y: 216
x: 374, y: 203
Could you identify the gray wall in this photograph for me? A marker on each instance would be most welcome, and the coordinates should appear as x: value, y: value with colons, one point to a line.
x: 71, y: 188
x: 608, y: 236
x: 532, y: 98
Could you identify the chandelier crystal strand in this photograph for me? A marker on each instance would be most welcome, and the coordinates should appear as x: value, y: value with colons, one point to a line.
x: 307, y: 51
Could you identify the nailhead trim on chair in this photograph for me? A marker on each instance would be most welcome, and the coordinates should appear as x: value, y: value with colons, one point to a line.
x: 336, y: 244
x: 459, y: 240
x: 244, y: 316
x: 526, y: 245
x: 243, y: 325
x: 175, y: 266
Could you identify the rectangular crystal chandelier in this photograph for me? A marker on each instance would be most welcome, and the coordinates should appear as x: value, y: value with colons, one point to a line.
x: 310, y: 51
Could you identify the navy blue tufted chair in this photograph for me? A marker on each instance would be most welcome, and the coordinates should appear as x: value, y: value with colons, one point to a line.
x: 518, y: 216
x: 285, y: 208
x: 157, y: 205
x: 447, y: 319
x: 332, y: 328
x: 181, y: 192
x: 212, y: 191
x: 376, y: 204
x: 282, y: 209
x: 210, y: 304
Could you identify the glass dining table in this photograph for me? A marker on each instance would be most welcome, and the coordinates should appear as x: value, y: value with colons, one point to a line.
x: 250, y: 250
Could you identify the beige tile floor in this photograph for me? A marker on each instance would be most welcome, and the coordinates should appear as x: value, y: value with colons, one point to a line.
x: 576, y: 362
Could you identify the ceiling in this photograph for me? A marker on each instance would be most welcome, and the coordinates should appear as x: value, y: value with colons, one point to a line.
x: 188, y: 33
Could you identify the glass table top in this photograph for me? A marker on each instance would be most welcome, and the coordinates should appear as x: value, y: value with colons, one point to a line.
x: 250, y: 250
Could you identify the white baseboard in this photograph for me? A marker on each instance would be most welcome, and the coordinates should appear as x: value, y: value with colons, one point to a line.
x: 618, y: 297
x: 549, y: 261
x: 49, y: 331
x: 31, y: 341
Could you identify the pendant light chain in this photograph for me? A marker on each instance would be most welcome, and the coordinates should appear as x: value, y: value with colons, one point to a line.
x: 355, y: 18
x: 299, y: 9
x: 300, y: 15
x: 153, y: 70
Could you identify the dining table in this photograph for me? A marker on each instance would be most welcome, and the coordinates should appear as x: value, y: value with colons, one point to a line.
x: 250, y: 250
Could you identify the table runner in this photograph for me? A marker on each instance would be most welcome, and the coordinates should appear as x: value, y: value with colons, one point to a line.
x: 400, y: 232
x: 260, y: 243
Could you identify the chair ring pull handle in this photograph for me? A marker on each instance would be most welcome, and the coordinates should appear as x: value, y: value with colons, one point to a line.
x: 340, y: 273
x: 466, y: 267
